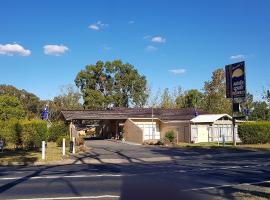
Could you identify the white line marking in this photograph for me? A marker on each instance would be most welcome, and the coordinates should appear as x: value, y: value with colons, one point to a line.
x: 81, y: 197
x: 70, y: 176
x: 223, y: 186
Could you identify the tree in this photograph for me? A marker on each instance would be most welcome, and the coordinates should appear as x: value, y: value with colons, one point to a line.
x: 215, y: 94
x: 10, y: 108
x: 260, y: 111
x: 69, y: 99
x: 166, y: 99
x: 193, y: 99
x: 111, y: 84
x: 29, y: 101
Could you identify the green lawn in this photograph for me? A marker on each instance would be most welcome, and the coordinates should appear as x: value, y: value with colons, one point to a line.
x: 53, y: 153
x: 227, y: 145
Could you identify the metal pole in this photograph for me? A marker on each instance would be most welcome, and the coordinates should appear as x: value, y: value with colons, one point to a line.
x: 152, y: 123
x: 233, y: 123
x: 64, y: 146
x: 234, y: 139
x: 43, y: 150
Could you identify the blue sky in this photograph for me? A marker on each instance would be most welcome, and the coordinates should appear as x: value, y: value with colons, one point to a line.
x: 44, y: 44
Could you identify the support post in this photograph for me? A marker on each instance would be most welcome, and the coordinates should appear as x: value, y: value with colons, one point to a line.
x: 43, y: 150
x: 233, y: 131
x: 73, y: 148
x: 233, y: 124
x: 64, y: 146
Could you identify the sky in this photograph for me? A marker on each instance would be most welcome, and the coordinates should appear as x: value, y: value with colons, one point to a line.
x: 44, y: 44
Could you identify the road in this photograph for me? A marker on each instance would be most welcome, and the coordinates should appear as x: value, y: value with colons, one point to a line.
x: 199, y: 176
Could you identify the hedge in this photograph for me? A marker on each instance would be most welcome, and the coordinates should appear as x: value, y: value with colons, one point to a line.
x: 33, y: 133
x: 10, y: 132
x: 57, y: 130
x: 254, y: 132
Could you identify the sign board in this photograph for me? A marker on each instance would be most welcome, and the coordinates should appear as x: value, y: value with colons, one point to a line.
x: 236, y: 81
x: 1, y: 144
x: 45, y: 113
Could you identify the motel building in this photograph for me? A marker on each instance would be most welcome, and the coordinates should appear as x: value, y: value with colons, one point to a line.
x: 143, y: 125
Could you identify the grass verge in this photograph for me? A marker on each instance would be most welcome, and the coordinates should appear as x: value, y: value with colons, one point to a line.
x: 11, y: 156
x: 265, y: 147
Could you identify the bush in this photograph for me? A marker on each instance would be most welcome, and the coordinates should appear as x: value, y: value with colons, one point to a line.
x: 254, y: 132
x: 59, y: 141
x: 169, y: 136
x: 33, y: 133
x: 10, y: 132
x: 57, y: 130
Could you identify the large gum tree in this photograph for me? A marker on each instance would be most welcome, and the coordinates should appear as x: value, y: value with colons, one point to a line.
x: 111, y: 84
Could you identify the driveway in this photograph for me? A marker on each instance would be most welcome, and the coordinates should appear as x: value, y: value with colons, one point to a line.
x: 117, y: 152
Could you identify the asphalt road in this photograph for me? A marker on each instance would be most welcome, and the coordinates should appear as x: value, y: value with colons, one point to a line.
x: 186, y: 177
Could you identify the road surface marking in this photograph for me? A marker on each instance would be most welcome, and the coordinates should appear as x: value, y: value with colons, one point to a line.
x: 55, y: 177
x: 224, y: 186
x: 80, y: 197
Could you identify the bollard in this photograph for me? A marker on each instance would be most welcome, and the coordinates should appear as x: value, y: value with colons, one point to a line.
x: 64, y: 146
x: 73, y: 147
x: 43, y: 150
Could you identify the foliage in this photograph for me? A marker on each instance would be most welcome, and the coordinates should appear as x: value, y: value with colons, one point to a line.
x: 33, y: 133
x: 57, y: 130
x: 69, y: 99
x: 10, y: 132
x: 190, y: 99
x: 111, y: 84
x: 29, y: 101
x: 254, y: 132
x: 59, y: 141
x: 166, y: 99
x: 260, y: 111
x: 10, y: 108
x: 170, y: 136
x: 215, y: 94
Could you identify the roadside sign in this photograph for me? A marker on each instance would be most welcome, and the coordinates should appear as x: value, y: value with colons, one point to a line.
x: 236, y: 81
x: 1, y: 145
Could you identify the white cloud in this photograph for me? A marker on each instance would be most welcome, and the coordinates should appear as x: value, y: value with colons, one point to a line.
x: 107, y: 48
x: 178, y: 71
x: 158, y: 39
x: 14, y: 49
x: 146, y: 37
x: 97, y: 26
x: 131, y: 22
x: 238, y: 57
x: 93, y: 27
x: 55, y: 50
x: 151, y: 48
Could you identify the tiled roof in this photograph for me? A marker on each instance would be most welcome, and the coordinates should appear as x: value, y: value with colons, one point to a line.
x: 125, y: 113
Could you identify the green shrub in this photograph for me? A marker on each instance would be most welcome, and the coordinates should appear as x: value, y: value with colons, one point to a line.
x: 10, y: 132
x: 59, y: 141
x: 33, y: 133
x: 254, y: 132
x: 57, y: 130
x: 170, y: 136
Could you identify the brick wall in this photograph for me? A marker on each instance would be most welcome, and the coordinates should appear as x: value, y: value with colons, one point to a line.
x: 182, y: 128
x: 132, y: 132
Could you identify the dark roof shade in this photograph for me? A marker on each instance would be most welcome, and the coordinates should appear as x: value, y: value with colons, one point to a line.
x: 125, y: 113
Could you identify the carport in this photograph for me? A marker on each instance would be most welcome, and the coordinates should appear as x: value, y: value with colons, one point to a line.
x: 136, y: 125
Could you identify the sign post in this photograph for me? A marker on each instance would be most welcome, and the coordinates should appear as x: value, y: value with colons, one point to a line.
x: 43, y: 150
x: 235, y: 88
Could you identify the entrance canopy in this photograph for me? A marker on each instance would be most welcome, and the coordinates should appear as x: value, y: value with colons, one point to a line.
x: 210, y: 118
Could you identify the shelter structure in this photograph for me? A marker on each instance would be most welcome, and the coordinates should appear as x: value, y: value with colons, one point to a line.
x: 139, y: 125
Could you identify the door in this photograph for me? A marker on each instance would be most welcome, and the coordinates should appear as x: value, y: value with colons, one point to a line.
x: 202, y: 133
